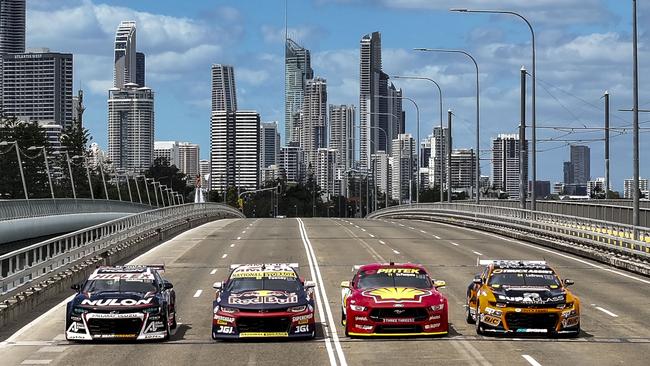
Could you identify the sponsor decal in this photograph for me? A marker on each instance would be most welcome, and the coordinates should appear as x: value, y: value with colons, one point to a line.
x: 77, y: 327
x: 390, y: 294
x: 491, y: 320
x: 571, y: 322
x: 116, y: 336
x: 431, y: 326
x: 114, y: 315
x: 398, y: 320
x: 531, y: 298
x: 116, y: 302
x: 263, y: 297
x: 302, y: 317
x: 399, y: 270
x: 361, y: 318
x: 434, y: 317
x: 522, y: 270
x: 76, y: 336
x: 122, y: 276
x: 263, y: 334
x: 530, y: 330
x: 154, y: 326
x: 264, y: 274
x: 225, y: 330
x: 225, y: 319
x: 302, y: 329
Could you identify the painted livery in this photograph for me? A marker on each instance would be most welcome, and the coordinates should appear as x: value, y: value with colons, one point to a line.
x: 263, y: 301
x: 393, y: 300
x: 125, y: 302
x: 522, y: 297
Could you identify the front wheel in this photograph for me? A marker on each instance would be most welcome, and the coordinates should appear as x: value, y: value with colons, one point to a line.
x: 343, y: 318
x: 479, y: 326
x: 468, y: 316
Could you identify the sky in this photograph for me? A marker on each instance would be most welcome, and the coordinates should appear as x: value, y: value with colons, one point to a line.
x: 584, y: 47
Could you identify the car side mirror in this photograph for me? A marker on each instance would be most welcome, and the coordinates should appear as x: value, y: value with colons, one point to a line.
x: 477, y: 280
x: 568, y: 282
x: 345, y: 284
x: 439, y: 284
x: 310, y: 284
x: 217, y: 285
x: 76, y: 287
x: 168, y: 285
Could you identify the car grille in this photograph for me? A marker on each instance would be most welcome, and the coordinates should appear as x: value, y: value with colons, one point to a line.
x: 533, y: 321
x: 419, y: 314
x: 265, y: 324
x: 114, y: 326
x: 388, y: 329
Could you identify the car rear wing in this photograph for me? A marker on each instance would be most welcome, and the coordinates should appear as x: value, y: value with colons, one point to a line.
x: 511, y: 262
x: 155, y: 267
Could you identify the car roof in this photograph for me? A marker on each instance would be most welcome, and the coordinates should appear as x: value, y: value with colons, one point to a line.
x: 266, y: 269
x: 127, y: 271
x: 375, y: 266
x: 522, y: 266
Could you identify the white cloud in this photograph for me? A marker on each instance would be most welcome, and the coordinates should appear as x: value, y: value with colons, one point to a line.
x: 272, y: 34
x: 251, y: 77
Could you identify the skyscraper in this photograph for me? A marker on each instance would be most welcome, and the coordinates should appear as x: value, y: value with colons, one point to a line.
x: 404, y: 167
x: 292, y: 162
x: 37, y: 86
x: 131, y: 128
x: 313, y: 121
x: 167, y: 152
x: 12, y: 26
x: 224, y: 94
x: 463, y: 168
x: 379, y: 112
x: 326, y: 170
x: 581, y: 161
x: 125, y: 55
x: 188, y: 160
x: 234, y: 149
x: 438, y: 158
x: 342, y: 121
x: 568, y: 172
x: 140, y: 68
x: 297, y: 60
x: 505, y: 163
x: 269, y: 145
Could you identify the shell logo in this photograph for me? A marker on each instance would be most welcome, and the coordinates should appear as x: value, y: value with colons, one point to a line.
x: 397, y: 293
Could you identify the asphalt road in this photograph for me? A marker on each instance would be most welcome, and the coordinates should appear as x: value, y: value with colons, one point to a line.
x: 615, y: 312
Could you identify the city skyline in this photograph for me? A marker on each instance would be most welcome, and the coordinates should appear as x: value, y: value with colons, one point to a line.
x: 332, y: 48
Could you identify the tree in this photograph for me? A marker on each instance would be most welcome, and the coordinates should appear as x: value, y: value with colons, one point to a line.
x: 169, y: 176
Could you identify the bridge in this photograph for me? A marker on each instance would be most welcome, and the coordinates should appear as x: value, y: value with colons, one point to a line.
x: 608, y: 261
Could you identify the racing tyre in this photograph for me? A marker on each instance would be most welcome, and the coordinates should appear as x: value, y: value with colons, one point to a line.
x: 468, y: 316
x: 479, y: 327
x: 167, y: 328
x: 343, y: 319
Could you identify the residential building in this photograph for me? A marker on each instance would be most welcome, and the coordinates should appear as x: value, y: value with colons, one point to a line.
x: 542, y: 188
x: 463, y: 169
x: 581, y: 161
x: 188, y: 160
x: 37, y: 86
x: 558, y: 188
x: 270, y: 174
x: 326, y: 171
x: 234, y: 149
x: 379, y: 124
x: 224, y: 94
x: 425, y: 151
x: 382, y: 170
x: 628, y: 188
x: 269, y: 144
x: 342, y: 132
x: 313, y: 121
x: 12, y: 26
x: 568, y: 172
x: 438, y: 159
x: 505, y: 164
x: 204, y: 169
x: 131, y: 128
x: 596, y: 187
x: 292, y: 162
x: 125, y: 61
x: 297, y: 71
x: 167, y: 152
x: 404, y: 168
x: 140, y: 69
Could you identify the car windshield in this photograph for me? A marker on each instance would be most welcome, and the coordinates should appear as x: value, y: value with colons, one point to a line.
x: 524, y: 279
x: 394, y: 277
x: 120, y: 285
x: 289, y: 284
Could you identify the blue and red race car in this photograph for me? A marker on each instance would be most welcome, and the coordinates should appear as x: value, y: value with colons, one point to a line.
x: 263, y: 301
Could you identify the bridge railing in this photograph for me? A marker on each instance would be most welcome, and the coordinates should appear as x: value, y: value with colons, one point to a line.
x: 19, y: 209
x: 25, y: 265
x: 611, y: 236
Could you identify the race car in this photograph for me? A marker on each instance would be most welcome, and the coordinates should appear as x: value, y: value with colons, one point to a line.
x: 522, y: 297
x: 393, y: 300
x: 263, y: 301
x: 125, y: 302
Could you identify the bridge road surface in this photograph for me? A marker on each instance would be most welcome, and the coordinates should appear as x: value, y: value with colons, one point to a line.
x: 615, y: 313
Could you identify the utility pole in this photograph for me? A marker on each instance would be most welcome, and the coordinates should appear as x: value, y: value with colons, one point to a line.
x: 607, y: 145
x: 449, y: 149
x: 523, y: 177
x: 635, y: 163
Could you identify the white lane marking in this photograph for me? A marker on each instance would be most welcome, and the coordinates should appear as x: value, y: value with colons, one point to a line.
x: 213, y: 271
x: 362, y: 229
x: 455, y: 244
x: 423, y: 232
x: 437, y: 237
x: 372, y: 236
x: 243, y: 232
x: 322, y: 299
x: 607, y: 312
x: 395, y: 251
x: 554, y: 253
x: 232, y: 245
x: 411, y: 227
x: 382, y: 242
x: 475, y: 252
x: 402, y: 225
x: 36, y: 362
x: 224, y: 256
x: 198, y: 293
x: 53, y: 349
x: 239, y: 238
x: 531, y: 360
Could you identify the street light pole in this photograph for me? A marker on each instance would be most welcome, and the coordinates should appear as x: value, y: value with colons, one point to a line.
x: 635, y: 158
x: 523, y: 177
x: 20, y: 164
x: 67, y: 159
x: 137, y: 187
x: 606, y: 96
x: 90, y: 184
x: 47, y: 166
x: 101, y: 171
x: 441, y: 159
x: 477, y: 176
x: 449, y: 149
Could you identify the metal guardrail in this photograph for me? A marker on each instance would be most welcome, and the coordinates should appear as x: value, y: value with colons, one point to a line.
x: 27, y: 264
x: 19, y: 209
x: 602, y: 234
x: 619, y: 211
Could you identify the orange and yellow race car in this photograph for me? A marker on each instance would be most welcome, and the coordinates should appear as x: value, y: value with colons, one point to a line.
x: 522, y: 297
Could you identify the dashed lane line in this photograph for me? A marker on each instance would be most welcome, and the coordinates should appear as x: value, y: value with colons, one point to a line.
x: 224, y: 256
x: 382, y: 242
x: 198, y: 293
x: 232, y: 245
x: 531, y: 360
x: 477, y: 253
x: 239, y: 238
x: 36, y: 362
x: 437, y: 237
x: 606, y: 311
x: 213, y: 271
x: 454, y: 244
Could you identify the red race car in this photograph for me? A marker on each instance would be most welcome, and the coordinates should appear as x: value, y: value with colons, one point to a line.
x: 393, y: 300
